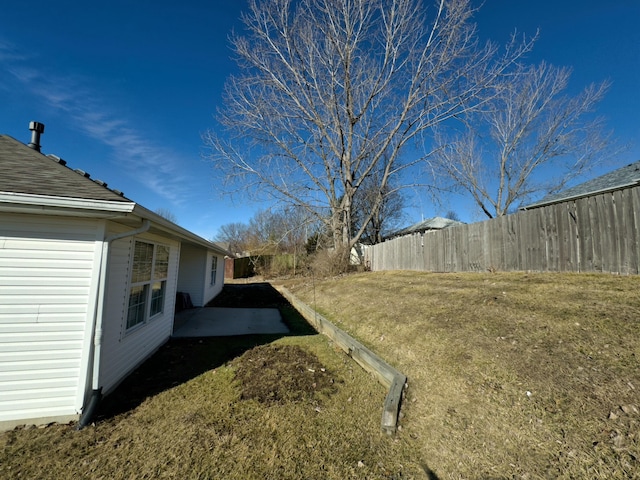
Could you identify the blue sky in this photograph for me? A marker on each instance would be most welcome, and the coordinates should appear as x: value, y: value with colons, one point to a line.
x: 125, y: 88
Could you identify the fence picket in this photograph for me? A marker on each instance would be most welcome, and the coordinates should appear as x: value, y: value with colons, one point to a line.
x: 600, y: 233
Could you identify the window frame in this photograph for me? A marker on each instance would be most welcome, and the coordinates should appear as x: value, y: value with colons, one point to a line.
x: 146, y: 274
x: 213, y: 271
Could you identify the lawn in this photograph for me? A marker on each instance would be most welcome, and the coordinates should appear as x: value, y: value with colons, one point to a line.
x: 249, y: 407
x: 511, y: 375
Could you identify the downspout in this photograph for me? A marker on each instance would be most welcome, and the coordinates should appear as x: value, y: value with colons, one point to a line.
x: 96, y: 390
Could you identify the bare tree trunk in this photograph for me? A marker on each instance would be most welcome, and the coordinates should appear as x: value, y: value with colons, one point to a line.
x: 333, y: 90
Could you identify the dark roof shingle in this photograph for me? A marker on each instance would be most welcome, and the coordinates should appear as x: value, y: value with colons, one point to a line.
x: 25, y: 170
x: 620, y: 178
x: 435, y: 223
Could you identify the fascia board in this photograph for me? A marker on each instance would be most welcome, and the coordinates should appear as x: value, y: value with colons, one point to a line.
x: 177, y: 230
x: 45, y: 201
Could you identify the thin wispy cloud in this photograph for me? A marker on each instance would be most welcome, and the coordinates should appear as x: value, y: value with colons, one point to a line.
x: 8, y: 53
x: 159, y: 169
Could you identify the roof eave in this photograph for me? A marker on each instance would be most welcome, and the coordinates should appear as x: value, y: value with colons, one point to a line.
x: 633, y: 183
x: 13, y: 202
x: 170, y: 227
x: 24, y: 201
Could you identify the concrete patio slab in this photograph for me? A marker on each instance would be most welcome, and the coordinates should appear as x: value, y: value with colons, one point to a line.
x: 224, y: 322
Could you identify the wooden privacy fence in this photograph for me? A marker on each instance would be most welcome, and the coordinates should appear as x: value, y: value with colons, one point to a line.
x: 238, y: 267
x: 599, y: 233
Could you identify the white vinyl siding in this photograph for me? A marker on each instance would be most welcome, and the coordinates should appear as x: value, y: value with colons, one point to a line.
x: 124, y: 350
x: 195, y: 274
x: 46, y: 284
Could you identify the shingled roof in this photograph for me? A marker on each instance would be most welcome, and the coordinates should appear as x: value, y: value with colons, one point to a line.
x: 622, y: 178
x: 30, y: 178
x: 435, y: 223
x: 27, y: 171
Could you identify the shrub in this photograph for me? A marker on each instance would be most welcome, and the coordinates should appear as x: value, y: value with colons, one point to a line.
x: 330, y: 263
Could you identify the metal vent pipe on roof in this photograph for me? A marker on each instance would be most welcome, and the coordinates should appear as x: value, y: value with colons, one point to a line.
x: 37, y: 129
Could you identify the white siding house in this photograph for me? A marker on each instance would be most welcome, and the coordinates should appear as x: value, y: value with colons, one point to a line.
x: 46, y: 288
x: 127, y: 345
x: 203, y: 275
x: 88, y: 283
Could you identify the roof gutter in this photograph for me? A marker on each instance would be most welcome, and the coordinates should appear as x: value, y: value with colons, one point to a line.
x: 52, y: 202
x: 176, y: 230
x: 96, y: 390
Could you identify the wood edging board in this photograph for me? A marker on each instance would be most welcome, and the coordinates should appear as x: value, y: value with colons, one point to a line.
x: 388, y: 376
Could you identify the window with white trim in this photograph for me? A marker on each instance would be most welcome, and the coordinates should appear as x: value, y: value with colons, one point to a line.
x: 214, y: 269
x: 149, y: 274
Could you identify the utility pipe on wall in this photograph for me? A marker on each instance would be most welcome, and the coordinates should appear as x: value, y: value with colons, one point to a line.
x: 96, y: 390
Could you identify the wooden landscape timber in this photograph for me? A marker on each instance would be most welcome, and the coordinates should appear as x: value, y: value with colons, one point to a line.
x: 388, y: 376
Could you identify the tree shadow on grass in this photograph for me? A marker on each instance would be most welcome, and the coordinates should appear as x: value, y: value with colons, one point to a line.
x: 182, y: 359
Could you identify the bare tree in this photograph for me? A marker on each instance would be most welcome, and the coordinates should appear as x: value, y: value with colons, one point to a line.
x: 167, y: 214
x: 452, y: 215
x: 382, y: 207
x: 527, y: 125
x: 331, y: 90
x: 235, y: 235
x: 268, y: 232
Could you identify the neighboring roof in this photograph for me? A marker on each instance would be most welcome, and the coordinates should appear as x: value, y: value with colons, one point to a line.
x: 435, y: 223
x: 27, y: 171
x: 621, y: 178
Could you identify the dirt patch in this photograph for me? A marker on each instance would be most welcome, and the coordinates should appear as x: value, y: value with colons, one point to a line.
x: 282, y: 374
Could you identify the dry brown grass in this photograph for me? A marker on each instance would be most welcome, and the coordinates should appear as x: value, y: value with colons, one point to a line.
x: 219, y: 409
x: 511, y: 375
x: 203, y: 429
x: 473, y: 347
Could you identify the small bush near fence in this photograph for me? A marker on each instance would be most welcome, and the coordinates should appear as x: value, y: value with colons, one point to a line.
x: 269, y: 266
x: 329, y: 263
x: 322, y: 264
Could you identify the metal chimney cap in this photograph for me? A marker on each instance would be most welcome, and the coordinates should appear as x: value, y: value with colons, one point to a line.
x: 36, y: 127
